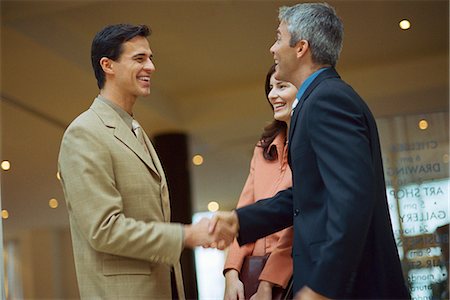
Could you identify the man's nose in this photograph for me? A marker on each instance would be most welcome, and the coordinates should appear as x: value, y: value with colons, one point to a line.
x: 271, y: 48
x: 149, y: 66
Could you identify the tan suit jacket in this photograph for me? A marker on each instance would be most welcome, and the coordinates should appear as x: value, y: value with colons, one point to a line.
x: 265, y: 179
x: 118, y: 203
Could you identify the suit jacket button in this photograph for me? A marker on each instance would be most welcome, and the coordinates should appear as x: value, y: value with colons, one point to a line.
x: 296, y: 212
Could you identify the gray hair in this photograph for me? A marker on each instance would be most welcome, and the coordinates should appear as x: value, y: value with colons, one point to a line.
x: 319, y: 25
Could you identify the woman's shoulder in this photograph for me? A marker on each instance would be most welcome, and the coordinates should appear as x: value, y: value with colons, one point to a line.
x: 279, y: 143
x: 280, y: 140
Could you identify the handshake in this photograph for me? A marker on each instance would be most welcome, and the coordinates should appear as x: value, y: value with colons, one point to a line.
x: 217, y: 232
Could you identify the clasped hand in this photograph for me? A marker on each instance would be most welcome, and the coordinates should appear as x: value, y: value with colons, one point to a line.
x: 217, y: 232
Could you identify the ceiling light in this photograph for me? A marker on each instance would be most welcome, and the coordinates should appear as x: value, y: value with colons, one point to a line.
x: 213, y: 206
x: 6, y: 165
x: 5, y: 214
x: 53, y: 203
x: 423, y: 124
x: 58, y: 176
x: 197, y: 160
x: 404, y: 24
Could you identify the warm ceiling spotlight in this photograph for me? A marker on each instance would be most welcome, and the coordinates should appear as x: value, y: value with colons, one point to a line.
x: 197, y: 160
x: 423, y: 124
x: 404, y: 24
x: 5, y: 214
x: 58, y: 176
x: 213, y: 206
x: 53, y: 203
x: 6, y: 165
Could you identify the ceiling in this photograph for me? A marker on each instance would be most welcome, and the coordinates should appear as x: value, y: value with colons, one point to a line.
x: 211, y: 58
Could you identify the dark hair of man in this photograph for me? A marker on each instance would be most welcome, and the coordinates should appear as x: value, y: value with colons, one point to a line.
x: 273, y: 129
x: 108, y: 43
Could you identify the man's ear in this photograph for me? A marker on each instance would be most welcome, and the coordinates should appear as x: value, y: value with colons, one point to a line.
x: 107, y: 65
x: 302, y: 48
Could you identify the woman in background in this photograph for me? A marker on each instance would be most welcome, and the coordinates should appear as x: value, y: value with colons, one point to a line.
x: 269, y: 173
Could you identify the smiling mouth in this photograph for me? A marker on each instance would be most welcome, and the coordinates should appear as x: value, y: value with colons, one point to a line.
x: 144, y: 78
x: 279, y: 106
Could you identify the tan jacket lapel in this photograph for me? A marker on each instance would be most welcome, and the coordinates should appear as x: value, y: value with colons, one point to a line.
x: 121, y: 131
x: 164, y: 189
x: 154, y: 156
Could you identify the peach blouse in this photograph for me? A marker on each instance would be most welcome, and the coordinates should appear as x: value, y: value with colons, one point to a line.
x: 266, y: 178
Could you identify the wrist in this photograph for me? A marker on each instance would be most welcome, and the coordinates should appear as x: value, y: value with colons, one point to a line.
x: 265, y: 285
x: 236, y: 221
x: 231, y: 274
x: 187, y: 236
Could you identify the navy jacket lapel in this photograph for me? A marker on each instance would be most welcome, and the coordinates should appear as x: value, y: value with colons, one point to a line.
x: 324, y: 75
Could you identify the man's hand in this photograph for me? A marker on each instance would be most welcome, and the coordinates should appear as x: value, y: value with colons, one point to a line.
x: 198, y: 234
x: 224, y: 226
x: 308, y: 294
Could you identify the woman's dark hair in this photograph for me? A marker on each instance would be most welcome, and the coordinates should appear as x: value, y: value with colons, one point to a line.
x: 108, y: 43
x: 273, y: 129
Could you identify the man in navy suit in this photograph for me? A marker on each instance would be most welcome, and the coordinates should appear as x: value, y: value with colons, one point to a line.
x: 343, y: 242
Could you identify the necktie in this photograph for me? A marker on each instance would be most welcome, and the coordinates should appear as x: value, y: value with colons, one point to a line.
x: 139, y: 133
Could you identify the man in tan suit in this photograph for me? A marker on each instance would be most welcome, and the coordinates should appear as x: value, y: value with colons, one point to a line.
x: 116, y: 192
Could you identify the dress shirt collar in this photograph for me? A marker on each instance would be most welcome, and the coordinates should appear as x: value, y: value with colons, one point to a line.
x: 305, y: 85
x: 122, y: 113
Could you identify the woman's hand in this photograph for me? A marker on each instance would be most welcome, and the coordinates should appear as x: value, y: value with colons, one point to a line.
x: 234, y: 288
x: 264, y: 291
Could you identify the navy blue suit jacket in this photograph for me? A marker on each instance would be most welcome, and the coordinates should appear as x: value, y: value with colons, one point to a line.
x: 343, y: 242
